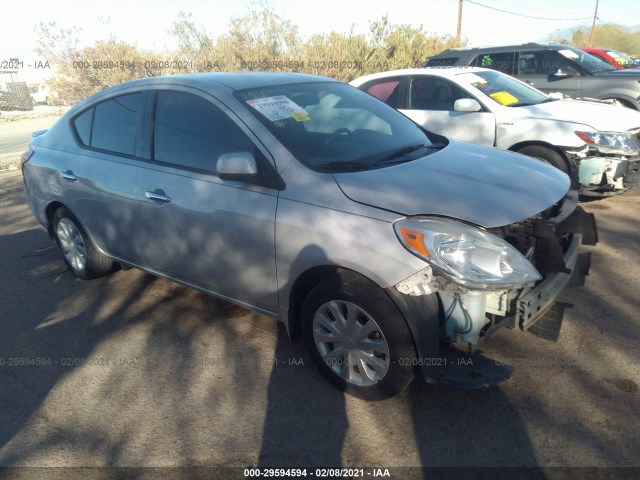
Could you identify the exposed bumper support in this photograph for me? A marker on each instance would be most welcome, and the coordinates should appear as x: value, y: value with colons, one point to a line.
x: 607, y: 176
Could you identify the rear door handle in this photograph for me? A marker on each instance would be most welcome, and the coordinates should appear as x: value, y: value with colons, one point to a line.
x: 157, y: 197
x: 68, y: 175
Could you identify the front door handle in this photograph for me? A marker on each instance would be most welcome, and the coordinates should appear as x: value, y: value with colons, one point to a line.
x: 157, y: 197
x: 68, y: 175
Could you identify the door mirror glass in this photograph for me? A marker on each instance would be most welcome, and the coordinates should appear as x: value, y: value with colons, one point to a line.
x: 467, y: 105
x: 236, y: 166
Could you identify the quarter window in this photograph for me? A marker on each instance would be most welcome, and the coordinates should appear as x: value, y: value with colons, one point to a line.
x: 191, y: 132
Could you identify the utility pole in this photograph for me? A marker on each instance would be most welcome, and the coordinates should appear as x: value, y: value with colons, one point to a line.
x: 593, y: 25
x: 459, y: 31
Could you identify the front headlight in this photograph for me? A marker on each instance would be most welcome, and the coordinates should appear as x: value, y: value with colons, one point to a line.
x: 610, y: 142
x: 469, y: 256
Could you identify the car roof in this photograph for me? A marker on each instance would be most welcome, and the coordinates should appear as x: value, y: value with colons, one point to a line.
x: 446, y: 72
x: 222, y: 81
x: 503, y: 48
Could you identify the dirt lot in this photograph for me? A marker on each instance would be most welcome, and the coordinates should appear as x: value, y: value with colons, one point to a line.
x: 134, y: 371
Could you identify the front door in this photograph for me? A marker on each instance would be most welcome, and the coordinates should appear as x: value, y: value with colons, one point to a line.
x: 208, y: 232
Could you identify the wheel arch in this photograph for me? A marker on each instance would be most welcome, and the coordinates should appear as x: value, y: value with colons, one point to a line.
x: 538, y: 143
x: 422, y: 314
x: 49, y: 212
x: 628, y: 101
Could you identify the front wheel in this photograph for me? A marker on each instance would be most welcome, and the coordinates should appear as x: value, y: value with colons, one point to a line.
x: 358, y: 338
x: 80, y: 255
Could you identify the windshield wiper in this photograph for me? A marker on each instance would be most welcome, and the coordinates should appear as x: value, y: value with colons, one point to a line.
x: 338, y: 165
x: 397, y: 155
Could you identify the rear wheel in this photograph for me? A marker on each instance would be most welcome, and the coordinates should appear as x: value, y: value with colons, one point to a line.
x: 80, y: 255
x: 546, y: 154
x: 358, y: 338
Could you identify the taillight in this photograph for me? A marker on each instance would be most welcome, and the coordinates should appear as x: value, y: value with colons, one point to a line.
x: 25, y: 157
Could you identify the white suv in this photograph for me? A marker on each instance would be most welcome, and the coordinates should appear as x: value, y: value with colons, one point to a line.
x: 596, y: 143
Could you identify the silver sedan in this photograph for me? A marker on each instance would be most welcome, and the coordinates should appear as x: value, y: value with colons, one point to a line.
x: 386, y: 248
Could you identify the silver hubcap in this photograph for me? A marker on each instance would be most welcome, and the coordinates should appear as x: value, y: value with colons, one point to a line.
x: 71, y: 244
x: 351, y: 343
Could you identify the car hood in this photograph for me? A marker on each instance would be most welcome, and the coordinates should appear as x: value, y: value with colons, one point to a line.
x: 481, y: 185
x: 602, y: 117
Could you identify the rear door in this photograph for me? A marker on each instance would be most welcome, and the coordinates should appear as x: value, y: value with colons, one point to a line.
x: 98, y: 181
x: 197, y: 228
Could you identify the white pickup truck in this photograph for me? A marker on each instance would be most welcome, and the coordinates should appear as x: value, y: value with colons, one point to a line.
x: 597, y: 144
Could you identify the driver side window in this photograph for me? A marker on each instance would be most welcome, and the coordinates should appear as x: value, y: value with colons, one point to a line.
x: 433, y: 93
x: 546, y: 62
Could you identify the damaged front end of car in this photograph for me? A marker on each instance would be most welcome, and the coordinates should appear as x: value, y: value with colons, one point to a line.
x: 488, y: 279
x: 609, y: 163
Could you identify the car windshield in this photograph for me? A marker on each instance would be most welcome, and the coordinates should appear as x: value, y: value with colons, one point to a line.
x: 621, y: 58
x: 331, y: 126
x: 588, y: 62
x: 503, y: 89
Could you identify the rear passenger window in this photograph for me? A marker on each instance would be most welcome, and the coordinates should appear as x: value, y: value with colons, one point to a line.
x: 115, y: 123
x: 112, y: 125
x: 191, y: 132
x: 504, y: 62
x: 385, y: 90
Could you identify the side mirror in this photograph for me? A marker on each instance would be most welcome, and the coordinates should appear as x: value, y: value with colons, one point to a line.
x: 466, y: 105
x: 560, y: 74
x: 236, y: 166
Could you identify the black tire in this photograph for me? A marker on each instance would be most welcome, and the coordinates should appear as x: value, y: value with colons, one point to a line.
x: 546, y: 154
x: 388, y: 338
x: 95, y: 264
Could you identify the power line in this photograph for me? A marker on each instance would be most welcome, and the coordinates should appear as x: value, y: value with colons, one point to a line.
x: 524, y: 15
x: 545, y: 10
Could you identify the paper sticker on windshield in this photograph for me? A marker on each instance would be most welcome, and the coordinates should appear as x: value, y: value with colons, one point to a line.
x: 569, y: 54
x: 279, y: 107
x: 504, y: 98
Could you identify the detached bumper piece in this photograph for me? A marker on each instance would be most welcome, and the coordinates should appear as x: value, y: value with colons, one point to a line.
x: 605, y: 177
x: 537, y: 310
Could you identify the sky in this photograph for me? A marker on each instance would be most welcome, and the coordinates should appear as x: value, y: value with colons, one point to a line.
x: 147, y: 22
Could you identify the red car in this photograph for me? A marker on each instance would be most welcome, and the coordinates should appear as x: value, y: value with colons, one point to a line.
x: 612, y: 57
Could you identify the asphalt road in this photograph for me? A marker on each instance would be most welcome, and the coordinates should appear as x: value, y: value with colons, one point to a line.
x: 134, y: 371
x: 16, y: 128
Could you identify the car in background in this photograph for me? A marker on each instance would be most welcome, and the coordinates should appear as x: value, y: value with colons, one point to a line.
x: 619, y: 60
x: 552, y: 68
x: 595, y: 142
x: 307, y: 200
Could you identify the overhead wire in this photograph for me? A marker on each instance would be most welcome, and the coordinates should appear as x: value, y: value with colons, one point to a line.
x: 536, y: 17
